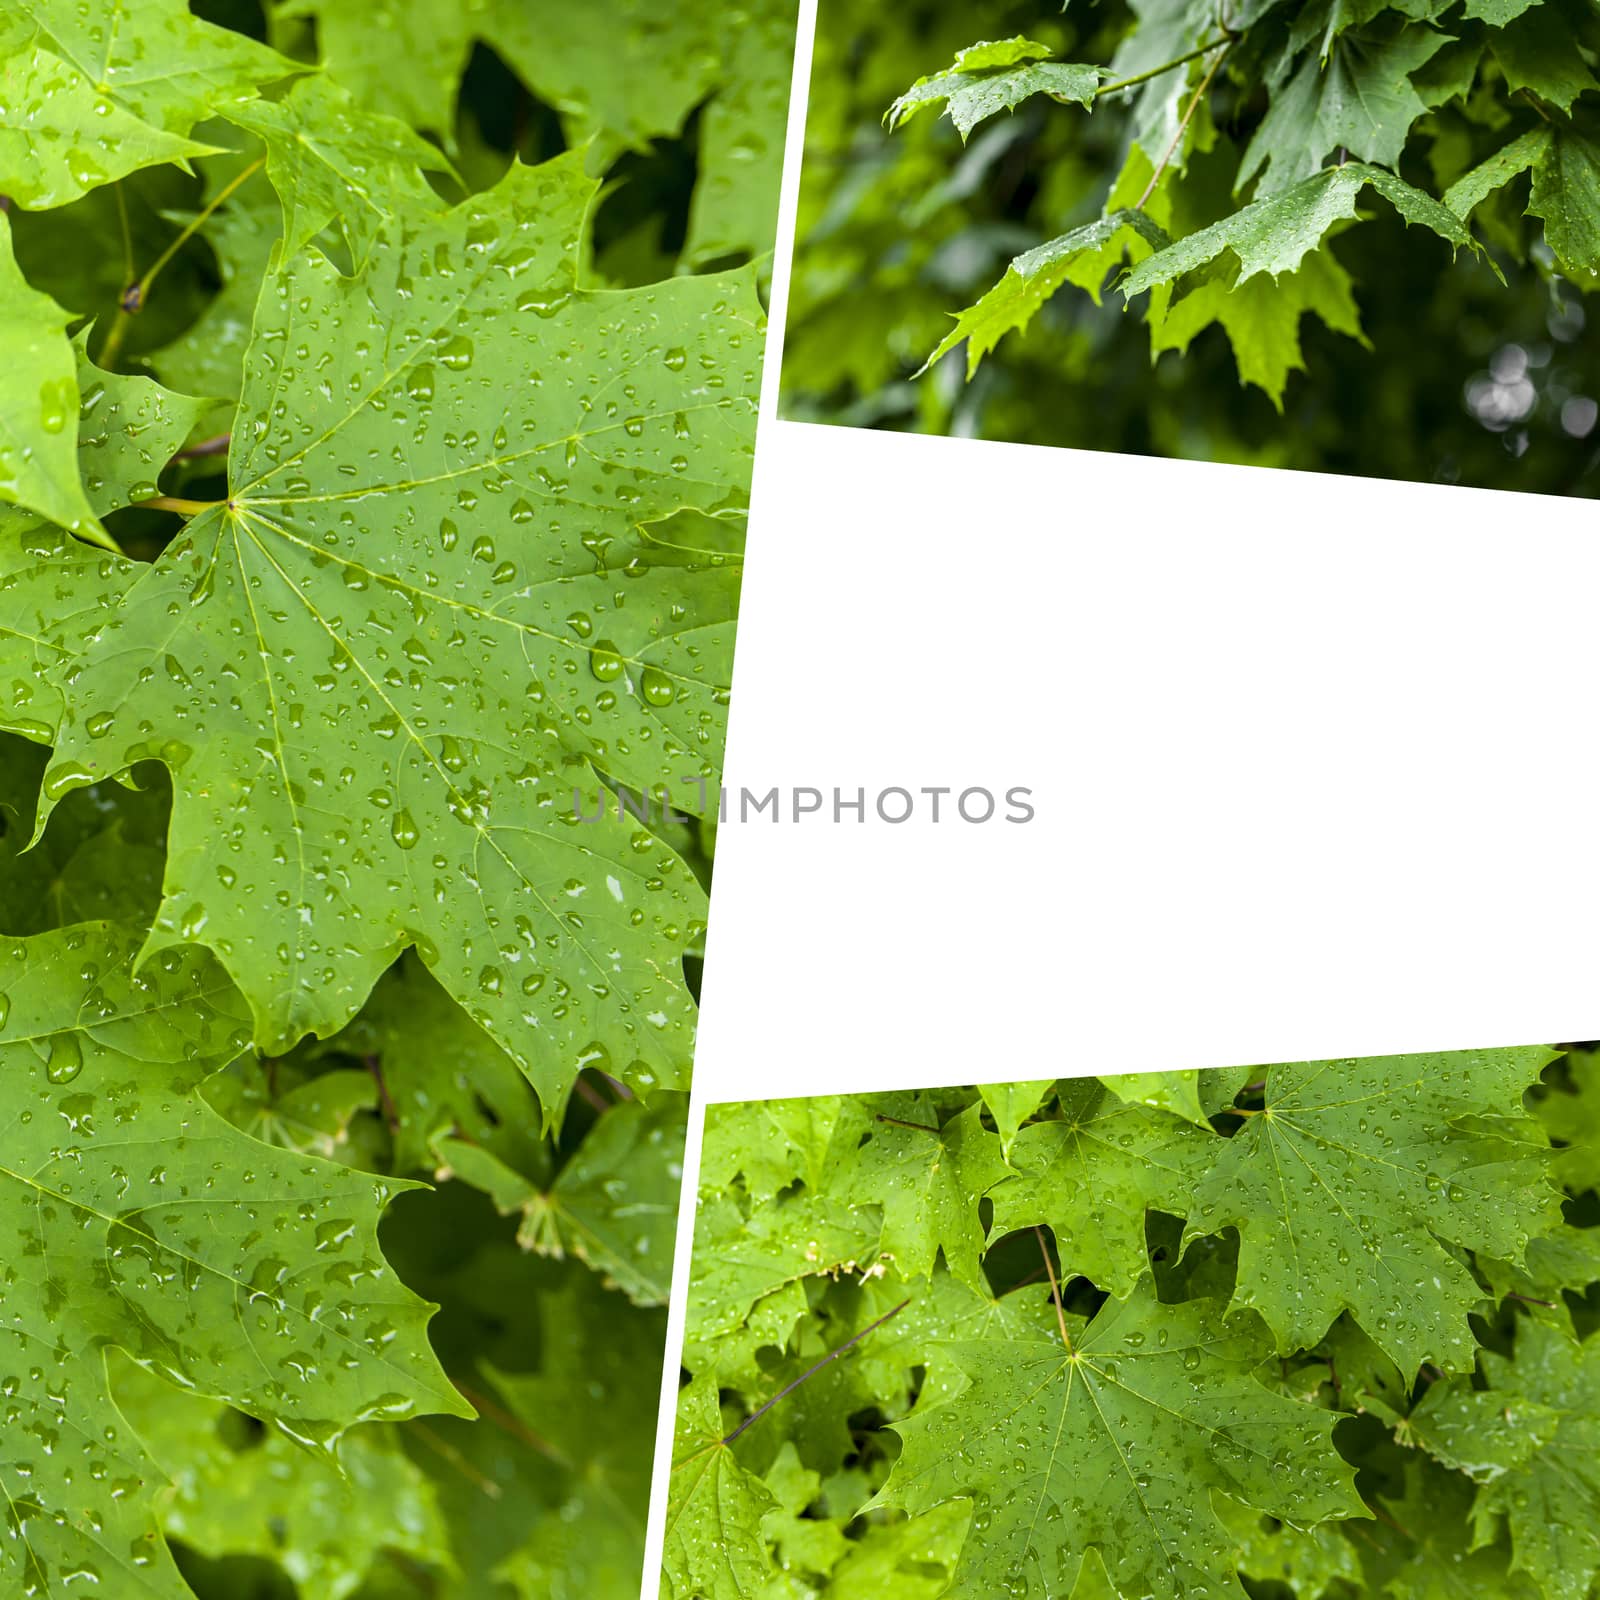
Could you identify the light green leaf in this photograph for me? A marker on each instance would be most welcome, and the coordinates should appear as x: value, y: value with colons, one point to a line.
x: 120, y: 84
x: 1261, y: 316
x: 592, y: 1406
x: 326, y: 1518
x: 1531, y: 1440
x: 1469, y: 191
x: 927, y: 1179
x: 445, y: 1077
x: 331, y: 161
x: 734, y: 210
x: 1011, y: 1104
x: 1092, y: 1175
x: 100, y: 859
x: 1332, y: 1218
x: 1274, y: 235
x: 972, y: 92
x: 1421, y: 1546
x: 148, y: 1223
x: 714, y: 1544
x: 1116, y: 1445
x: 770, y: 1144
x: 38, y: 403
x: 1177, y: 1092
x: 1572, y: 1118
x: 429, y: 604
x: 1032, y: 279
x: 1360, y: 98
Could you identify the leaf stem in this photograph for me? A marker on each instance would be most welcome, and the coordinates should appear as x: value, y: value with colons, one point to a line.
x: 184, y: 508
x: 507, y: 1423
x: 448, y: 1451
x: 214, y: 446
x: 390, y: 1115
x: 811, y: 1371
x: 133, y: 297
x: 1166, y: 66
x: 900, y: 1122
x: 1183, y: 128
x: 1055, y: 1288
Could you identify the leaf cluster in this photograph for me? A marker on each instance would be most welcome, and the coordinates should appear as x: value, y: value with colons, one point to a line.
x: 1395, y: 203
x: 376, y: 415
x: 1316, y: 1329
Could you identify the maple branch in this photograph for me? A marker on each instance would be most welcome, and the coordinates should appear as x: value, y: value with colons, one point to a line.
x: 1165, y: 67
x: 1183, y: 126
x: 811, y: 1371
x: 133, y: 297
x: 900, y: 1122
x: 1055, y: 1288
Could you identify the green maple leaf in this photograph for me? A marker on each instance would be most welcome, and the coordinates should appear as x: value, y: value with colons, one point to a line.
x: 1261, y: 317
x: 1471, y: 189
x: 1274, y: 235
x: 734, y: 210
x: 1530, y: 1439
x: 927, y: 1179
x: 329, y: 161
x: 1571, y: 1115
x: 1116, y: 1445
x: 748, y: 1272
x: 715, y: 1548
x: 1536, y: 53
x: 592, y: 1406
x: 445, y: 1078
x: 38, y: 403
x: 621, y: 71
x: 1421, y: 1547
x: 1011, y: 1104
x: 100, y: 859
x: 613, y: 1205
x: 326, y: 1518
x: 1178, y: 1092
x: 146, y: 1222
x: 1033, y: 277
x: 120, y: 84
x: 127, y: 428
x: 910, y: 1559
x: 993, y: 77
x: 771, y: 1144
x: 1359, y: 97
x: 427, y: 606
x: 1093, y: 1175
x: 1566, y: 195
x: 1351, y: 1183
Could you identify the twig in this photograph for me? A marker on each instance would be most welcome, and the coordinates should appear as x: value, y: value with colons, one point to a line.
x: 390, y: 1114
x: 448, y: 1451
x: 507, y: 1423
x: 811, y: 1371
x: 900, y: 1122
x: 137, y: 292
x: 1055, y: 1288
x: 1166, y: 66
x: 1183, y: 128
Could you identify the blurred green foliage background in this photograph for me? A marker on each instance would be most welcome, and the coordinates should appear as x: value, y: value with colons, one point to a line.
x: 1466, y: 381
